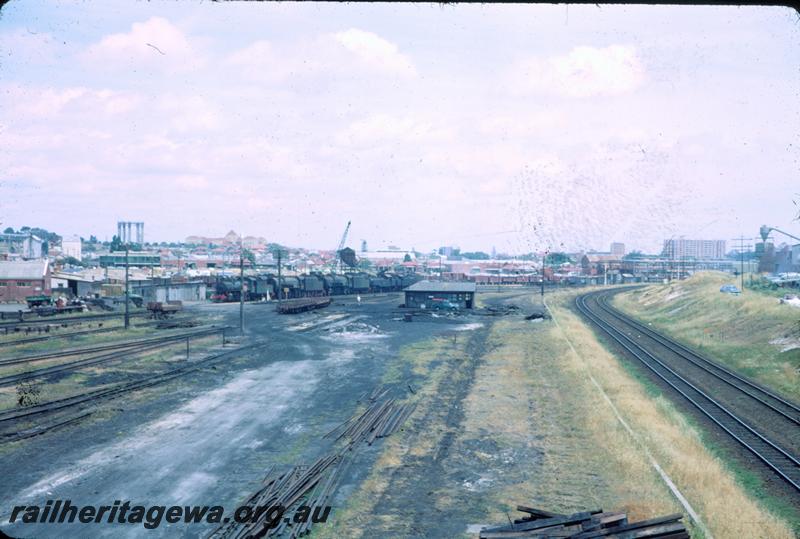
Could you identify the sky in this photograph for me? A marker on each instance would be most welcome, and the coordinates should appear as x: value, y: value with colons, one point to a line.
x: 519, y: 127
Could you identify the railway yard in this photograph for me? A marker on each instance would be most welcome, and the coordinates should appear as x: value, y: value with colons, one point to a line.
x: 406, y: 424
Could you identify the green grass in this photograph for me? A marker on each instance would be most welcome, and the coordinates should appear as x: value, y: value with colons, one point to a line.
x: 751, y: 333
x: 749, y: 480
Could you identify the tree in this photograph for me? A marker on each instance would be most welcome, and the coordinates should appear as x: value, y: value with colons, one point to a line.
x: 72, y: 261
x: 477, y: 255
x: 248, y: 255
x: 8, y: 230
x: 407, y: 258
x: 558, y: 258
x: 633, y: 255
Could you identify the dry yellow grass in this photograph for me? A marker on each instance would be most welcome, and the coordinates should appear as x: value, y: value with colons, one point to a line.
x: 703, y: 479
x: 752, y: 333
x: 555, y: 441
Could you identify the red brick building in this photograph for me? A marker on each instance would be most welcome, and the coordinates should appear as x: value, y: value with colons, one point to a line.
x: 22, y: 278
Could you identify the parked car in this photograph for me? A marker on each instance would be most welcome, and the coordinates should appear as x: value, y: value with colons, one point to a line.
x: 730, y: 289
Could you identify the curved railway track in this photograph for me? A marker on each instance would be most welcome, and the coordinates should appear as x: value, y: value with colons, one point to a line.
x: 701, y: 381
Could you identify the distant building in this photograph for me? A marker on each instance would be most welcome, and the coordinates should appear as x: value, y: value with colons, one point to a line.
x: 437, y: 295
x: 387, y: 255
x: 618, y: 249
x: 22, y: 278
x: 231, y: 238
x: 71, y: 246
x: 596, y: 263
x: 694, y: 249
x: 135, y: 258
x: 21, y: 245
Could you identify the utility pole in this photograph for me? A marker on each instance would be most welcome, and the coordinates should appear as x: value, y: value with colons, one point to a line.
x: 544, y: 259
x: 280, y: 284
x: 127, y: 289
x: 741, y: 257
x: 241, y: 288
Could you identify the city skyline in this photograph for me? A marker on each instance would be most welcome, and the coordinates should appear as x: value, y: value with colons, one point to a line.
x: 521, y: 127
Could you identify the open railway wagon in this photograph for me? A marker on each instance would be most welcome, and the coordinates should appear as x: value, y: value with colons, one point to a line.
x: 301, y: 305
x: 163, y: 309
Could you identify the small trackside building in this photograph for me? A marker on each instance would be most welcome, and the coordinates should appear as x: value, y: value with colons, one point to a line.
x: 22, y: 278
x: 437, y: 295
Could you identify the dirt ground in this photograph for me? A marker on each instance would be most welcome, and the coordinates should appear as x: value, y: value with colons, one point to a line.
x: 506, y: 414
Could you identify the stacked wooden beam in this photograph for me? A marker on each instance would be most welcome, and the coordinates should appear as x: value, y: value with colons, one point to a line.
x: 541, y: 524
x: 315, y: 485
x: 379, y: 420
x: 308, y: 485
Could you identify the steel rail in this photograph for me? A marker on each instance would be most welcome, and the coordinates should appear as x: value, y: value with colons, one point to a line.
x: 102, y: 347
x: 103, y: 358
x: 56, y: 320
x: 70, y: 334
x: 704, y: 363
x: 111, y: 392
x: 790, y: 476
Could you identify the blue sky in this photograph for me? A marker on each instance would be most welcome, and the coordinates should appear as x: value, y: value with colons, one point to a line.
x: 516, y: 126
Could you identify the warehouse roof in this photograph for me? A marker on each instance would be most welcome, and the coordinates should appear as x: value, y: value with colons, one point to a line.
x: 439, y: 286
x: 23, y: 269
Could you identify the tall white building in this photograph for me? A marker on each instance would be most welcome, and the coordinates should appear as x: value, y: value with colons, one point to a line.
x: 71, y: 246
x: 697, y: 249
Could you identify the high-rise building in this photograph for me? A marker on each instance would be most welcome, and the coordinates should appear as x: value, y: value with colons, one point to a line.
x: 697, y: 249
x: 617, y: 248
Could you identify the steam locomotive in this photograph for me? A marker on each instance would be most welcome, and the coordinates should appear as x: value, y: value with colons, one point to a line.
x: 315, y: 284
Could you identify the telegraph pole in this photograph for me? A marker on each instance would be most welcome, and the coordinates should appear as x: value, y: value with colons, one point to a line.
x: 241, y: 288
x: 741, y: 258
x: 127, y: 289
x: 544, y: 259
x: 280, y: 285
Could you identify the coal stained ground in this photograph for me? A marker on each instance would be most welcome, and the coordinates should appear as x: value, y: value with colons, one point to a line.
x: 208, y: 438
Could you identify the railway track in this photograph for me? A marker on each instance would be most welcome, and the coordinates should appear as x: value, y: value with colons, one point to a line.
x: 55, y: 320
x: 130, y: 348
x: 11, y: 418
x: 693, y: 376
x: 32, y: 358
x: 69, y: 334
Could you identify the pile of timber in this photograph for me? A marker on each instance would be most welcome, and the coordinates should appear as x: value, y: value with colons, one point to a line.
x: 314, y: 486
x: 311, y: 486
x: 541, y: 524
x: 378, y: 420
x: 301, y: 305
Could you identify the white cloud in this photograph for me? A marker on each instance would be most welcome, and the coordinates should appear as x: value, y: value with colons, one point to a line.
x: 375, y: 51
x: 349, y: 51
x: 48, y: 102
x: 155, y: 43
x: 379, y: 129
x: 583, y: 72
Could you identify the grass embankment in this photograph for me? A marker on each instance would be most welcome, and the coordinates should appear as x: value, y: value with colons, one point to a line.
x: 753, y: 333
x: 710, y: 486
x: 532, y: 428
